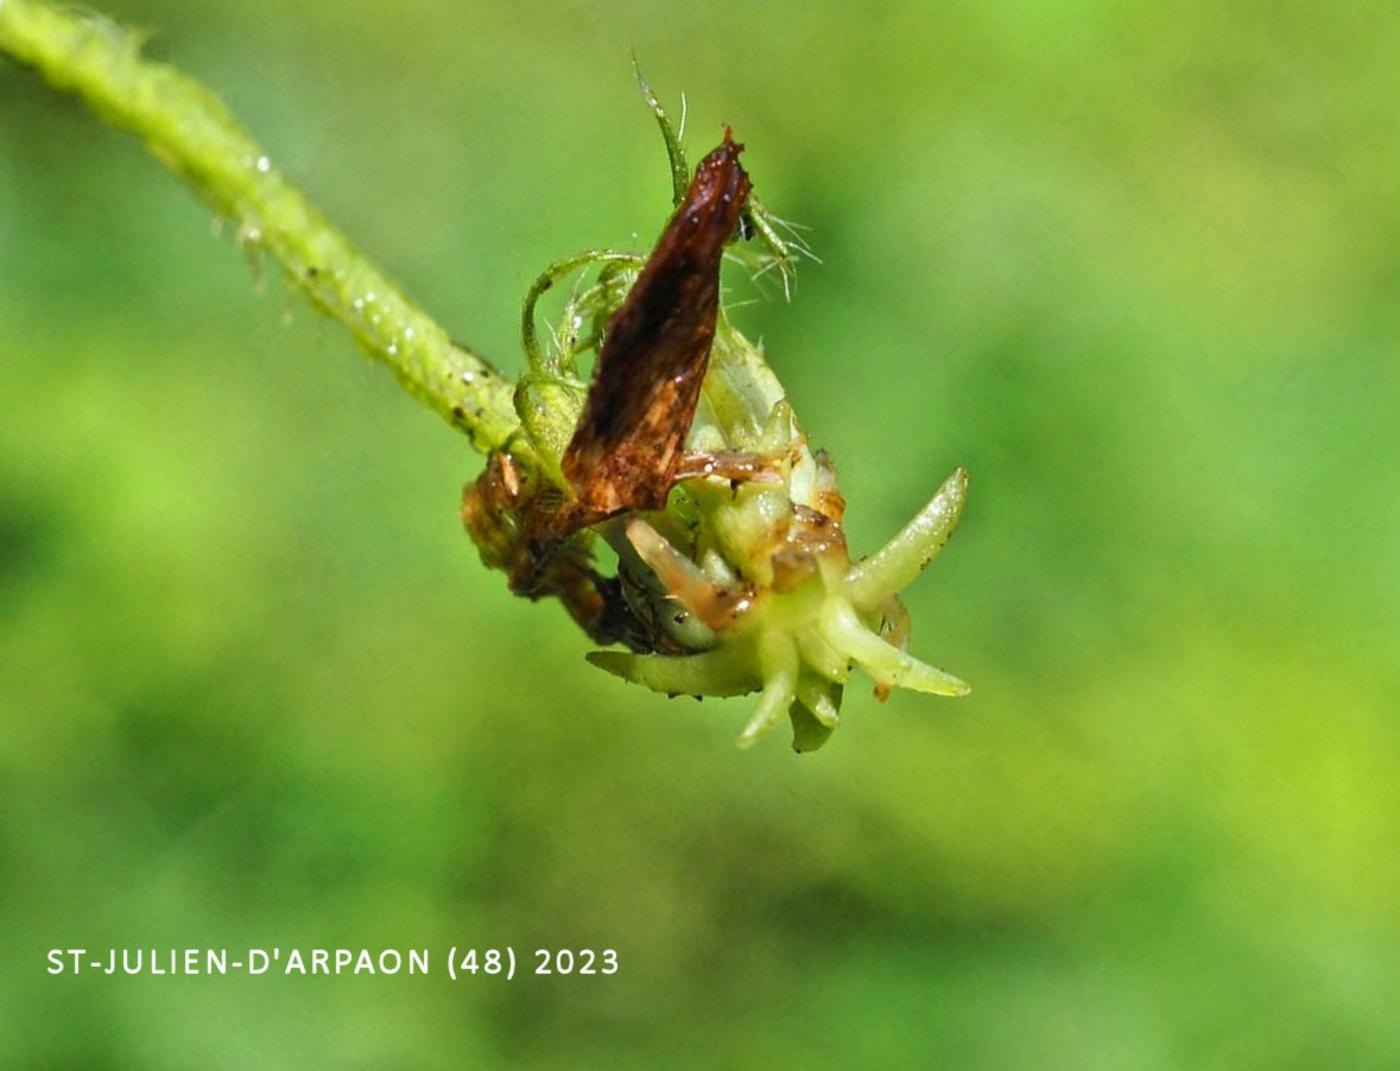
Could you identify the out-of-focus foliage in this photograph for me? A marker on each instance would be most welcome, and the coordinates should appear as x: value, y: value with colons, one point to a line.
x: 1134, y: 265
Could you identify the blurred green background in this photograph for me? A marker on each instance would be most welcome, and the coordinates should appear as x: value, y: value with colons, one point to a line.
x: 1134, y: 265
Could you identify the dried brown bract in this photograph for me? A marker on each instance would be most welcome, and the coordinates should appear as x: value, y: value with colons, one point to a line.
x: 629, y: 443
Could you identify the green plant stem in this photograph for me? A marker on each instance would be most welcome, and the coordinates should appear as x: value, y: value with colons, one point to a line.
x: 199, y: 139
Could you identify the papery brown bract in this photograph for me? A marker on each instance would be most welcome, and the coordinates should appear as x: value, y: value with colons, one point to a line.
x: 628, y: 446
x: 627, y: 450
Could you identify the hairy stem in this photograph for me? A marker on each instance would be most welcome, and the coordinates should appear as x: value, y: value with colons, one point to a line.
x: 196, y: 136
